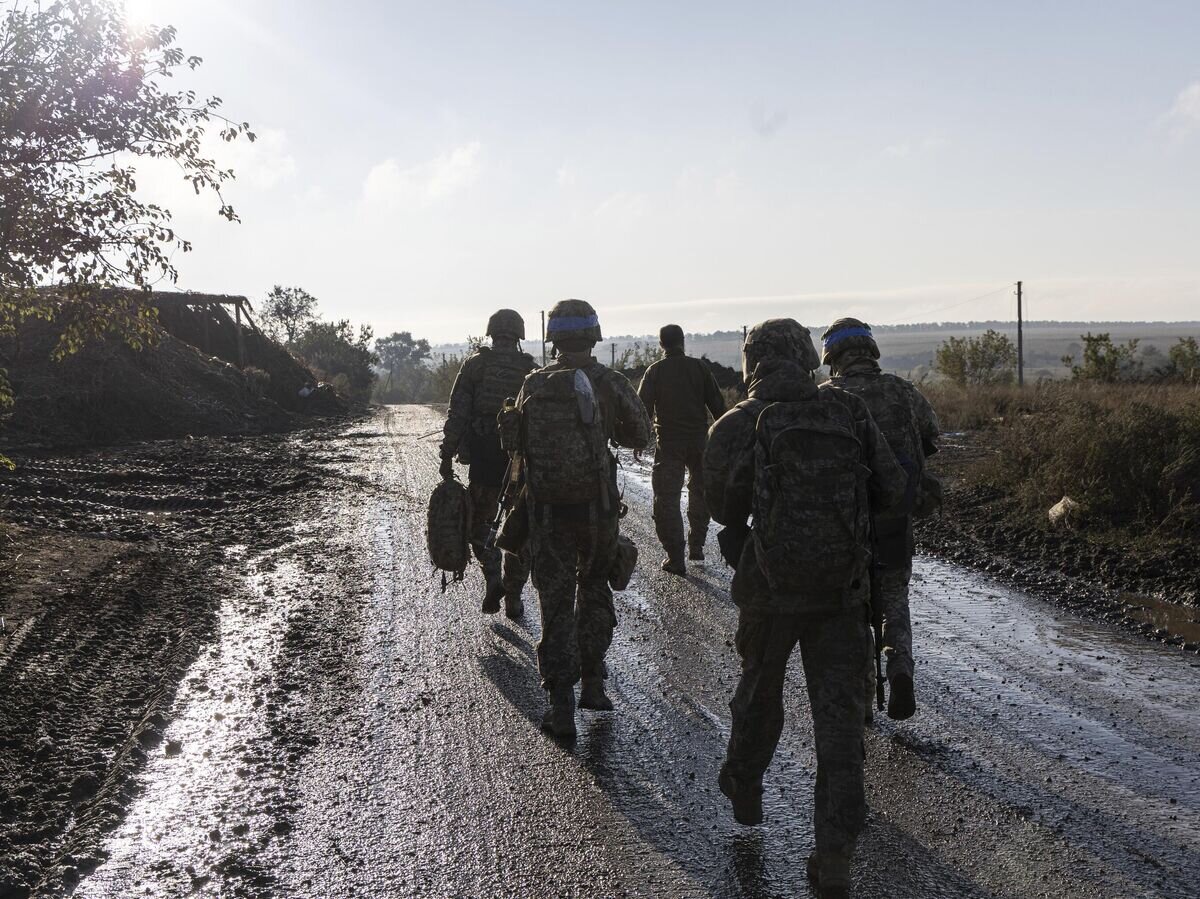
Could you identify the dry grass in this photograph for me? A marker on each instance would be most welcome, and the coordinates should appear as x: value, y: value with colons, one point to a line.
x: 1129, y: 453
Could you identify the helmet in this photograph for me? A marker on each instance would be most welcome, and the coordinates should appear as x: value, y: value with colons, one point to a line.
x: 848, y: 334
x: 779, y: 338
x: 506, y: 323
x: 573, y: 320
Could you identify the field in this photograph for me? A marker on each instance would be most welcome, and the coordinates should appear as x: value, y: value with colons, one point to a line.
x: 909, y: 349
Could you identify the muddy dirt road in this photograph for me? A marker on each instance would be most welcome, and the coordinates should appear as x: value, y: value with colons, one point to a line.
x: 345, y: 730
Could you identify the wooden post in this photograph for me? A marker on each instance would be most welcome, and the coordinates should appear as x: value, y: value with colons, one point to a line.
x: 241, y: 343
x: 1020, y: 340
x: 206, y: 312
x: 543, y: 337
x: 614, y: 356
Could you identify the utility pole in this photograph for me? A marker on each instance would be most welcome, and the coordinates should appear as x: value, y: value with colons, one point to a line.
x: 543, y: 338
x: 1020, y: 340
x: 744, y: 335
x: 614, y: 356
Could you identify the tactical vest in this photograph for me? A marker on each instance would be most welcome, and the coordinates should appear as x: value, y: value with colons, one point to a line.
x: 563, y: 437
x: 812, y: 528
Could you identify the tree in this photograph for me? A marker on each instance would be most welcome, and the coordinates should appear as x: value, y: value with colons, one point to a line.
x: 400, y: 352
x: 287, y: 311
x: 1104, y: 361
x: 990, y: 358
x: 1185, y: 360
x: 338, y: 355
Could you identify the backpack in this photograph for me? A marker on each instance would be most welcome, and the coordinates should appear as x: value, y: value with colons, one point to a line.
x: 887, y: 398
x: 448, y: 529
x: 811, y: 509
x: 503, y: 375
x: 563, y: 438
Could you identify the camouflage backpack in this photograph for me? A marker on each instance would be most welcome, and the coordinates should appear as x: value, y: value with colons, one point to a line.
x: 503, y: 375
x: 563, y: 439
x: 811, y: 512
x: 448, y: 529
x: 887, y: 398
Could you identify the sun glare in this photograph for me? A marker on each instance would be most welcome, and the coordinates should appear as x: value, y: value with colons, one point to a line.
x: 140, y: 13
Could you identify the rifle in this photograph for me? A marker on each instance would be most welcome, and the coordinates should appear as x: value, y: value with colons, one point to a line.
x: 513, y: 477
x: 877, y: 627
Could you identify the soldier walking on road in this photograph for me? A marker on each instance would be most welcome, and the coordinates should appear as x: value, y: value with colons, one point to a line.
x: 487, y: 378
x: 808, y: 465
x: 569, y: 411
x: 910, y: 426
x: 679, y: 392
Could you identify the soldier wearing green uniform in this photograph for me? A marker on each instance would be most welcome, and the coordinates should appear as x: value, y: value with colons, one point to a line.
x: 807, y: 464
x: 679, y: 393
x: 910, y: 426
x: 488, y: 377
x: 569, y: 413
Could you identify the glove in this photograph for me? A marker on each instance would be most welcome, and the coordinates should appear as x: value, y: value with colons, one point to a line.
x: 447, y: 468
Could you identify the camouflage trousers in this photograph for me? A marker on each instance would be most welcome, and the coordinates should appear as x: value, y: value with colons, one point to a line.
x: 512, y: 569
x: 833, y: 651
x: 571, y: 560
x: 671, y: 463
x: 897, y: 628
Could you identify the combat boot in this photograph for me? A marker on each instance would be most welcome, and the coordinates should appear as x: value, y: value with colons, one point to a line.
x: 696, y: 553
x: 559, y: 719
x: 902, y: 702
x: 827, y: 890
x: 672, y: 565
x: 592, y: 695
x: 513, y: 606
x: 744, y: 795
x: 491, y: 598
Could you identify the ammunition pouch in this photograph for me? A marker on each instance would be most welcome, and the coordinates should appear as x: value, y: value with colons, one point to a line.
x: 623, y: 564
x: 508, y: 423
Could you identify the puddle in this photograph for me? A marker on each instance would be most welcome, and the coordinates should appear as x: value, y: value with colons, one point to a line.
x: 1182, y: 621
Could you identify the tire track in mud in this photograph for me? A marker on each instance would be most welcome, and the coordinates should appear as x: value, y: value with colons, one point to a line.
x: 399, y: 751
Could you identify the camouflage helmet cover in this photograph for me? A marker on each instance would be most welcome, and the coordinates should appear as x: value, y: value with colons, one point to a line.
x: 779, y: 338
x: 848, y: 334
x: 506, y: 323
x: 573, y: 320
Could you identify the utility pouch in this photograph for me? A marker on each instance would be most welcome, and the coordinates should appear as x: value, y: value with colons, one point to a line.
x: 508, y: 423
x: 732, y: 540
x: 514, y: 532
x: 624, y: 562
x: 929, y: 496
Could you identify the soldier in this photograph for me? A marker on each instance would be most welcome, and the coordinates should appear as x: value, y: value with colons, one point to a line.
x: 487, y: 378
x: 807, y: 464
x: 569, y: 412
x: 910, y: 427
x: 679, y: 392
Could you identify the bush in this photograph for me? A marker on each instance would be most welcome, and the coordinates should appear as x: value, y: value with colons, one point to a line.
x: 990, y: 358
x: 1129, y: 453
x: 332, y: 349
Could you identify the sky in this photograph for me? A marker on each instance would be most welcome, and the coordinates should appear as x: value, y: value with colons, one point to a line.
x: 423, y: 164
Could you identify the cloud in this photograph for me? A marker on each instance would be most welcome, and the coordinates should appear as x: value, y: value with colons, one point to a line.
x: 1184, y: 115
x: 388, y: 184
x: 566, y: 176
x: 905, y: 149
x: 623, y: 206
x: 262, y: 164
x: 767, y: 122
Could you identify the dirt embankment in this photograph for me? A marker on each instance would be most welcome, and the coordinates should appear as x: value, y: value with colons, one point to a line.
x: 188, y: 383
x: 1149, y: 586
x: 109, y: 588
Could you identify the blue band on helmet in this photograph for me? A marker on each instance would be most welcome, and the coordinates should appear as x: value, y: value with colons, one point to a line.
x: 839, y: 336
x: 573, y: 323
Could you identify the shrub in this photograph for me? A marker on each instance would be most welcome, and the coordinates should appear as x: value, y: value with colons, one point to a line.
x: 990, y: 358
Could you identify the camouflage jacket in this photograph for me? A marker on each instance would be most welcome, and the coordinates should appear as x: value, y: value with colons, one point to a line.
x: 475, y: 399
x: 729, y: 457
x: 864, y: 377
x: 679, y: 392
x: 624, y: 416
